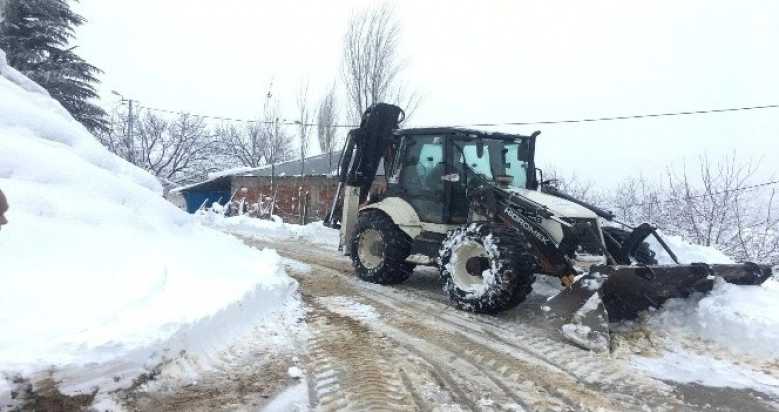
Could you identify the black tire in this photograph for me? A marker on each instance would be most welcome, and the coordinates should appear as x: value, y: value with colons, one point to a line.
x: 503, y: 254
x: 644, y: 255
x: 379, y: 249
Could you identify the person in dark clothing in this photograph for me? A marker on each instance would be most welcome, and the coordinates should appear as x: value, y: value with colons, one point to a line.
x: 3, y: 209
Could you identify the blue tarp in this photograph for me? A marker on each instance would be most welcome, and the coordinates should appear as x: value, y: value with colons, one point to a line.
x: 195, y: 199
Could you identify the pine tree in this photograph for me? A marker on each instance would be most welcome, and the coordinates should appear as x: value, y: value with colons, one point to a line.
x: 35, y: 35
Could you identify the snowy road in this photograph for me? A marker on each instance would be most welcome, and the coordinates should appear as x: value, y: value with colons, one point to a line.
x: 372, y: 347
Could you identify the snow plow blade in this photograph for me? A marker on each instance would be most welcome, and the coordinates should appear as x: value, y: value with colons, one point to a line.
x: 613, y: 293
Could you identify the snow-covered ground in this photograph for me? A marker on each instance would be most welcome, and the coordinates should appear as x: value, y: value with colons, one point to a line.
x: 315, y: 232
x: 728, y: 338
x: 102, y: 279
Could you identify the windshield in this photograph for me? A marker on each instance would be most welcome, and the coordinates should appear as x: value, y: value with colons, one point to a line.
x: 495, y: 160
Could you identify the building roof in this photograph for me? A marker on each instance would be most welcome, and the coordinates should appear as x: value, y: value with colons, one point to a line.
x: 219, y: 183
x: 319, y: 165
x: 314, y: 166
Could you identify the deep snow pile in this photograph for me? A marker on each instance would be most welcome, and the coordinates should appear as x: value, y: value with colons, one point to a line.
x: 267, y: 229
x: 741, y: 318
x: 729, y: 337
x: 98, y: 271
x: 686, y: 252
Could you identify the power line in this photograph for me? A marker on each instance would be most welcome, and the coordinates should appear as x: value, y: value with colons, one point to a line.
x: 629, y: 117
x: 658, y: 202
x: 230, y: 119
x: 284, y: 122
x: 543, y: 122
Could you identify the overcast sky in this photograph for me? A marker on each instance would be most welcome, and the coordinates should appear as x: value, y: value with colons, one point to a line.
x: 476, y: 62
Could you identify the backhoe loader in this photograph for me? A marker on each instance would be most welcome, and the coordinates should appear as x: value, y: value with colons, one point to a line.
x: 474, y: 204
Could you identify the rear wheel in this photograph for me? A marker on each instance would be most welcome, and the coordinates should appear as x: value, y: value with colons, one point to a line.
x: 379, y: 249
x: 644, y: 255
x: 486, y: 268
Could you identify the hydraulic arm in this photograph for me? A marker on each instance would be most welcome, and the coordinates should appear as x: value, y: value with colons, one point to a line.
x: 360, y: 159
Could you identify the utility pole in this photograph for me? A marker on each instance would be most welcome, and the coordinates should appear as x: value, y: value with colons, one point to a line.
x: 128, y: 141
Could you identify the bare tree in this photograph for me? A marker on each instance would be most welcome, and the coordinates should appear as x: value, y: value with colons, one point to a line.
x: 176, y: 151
x: 326, y: 124
x: 707, y: 211
x: 244, y: 146
x: 304, y: 126
x: 371, y: 65
x: 758, y: 229
x: 185, y: 156
x: 638, y: 200
x: 278, y: 144
x: 573, y: 185
x: 118, y: 139
x: 716, y: 206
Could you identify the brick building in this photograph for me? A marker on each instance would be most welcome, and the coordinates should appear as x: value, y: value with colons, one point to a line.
x: 299, y: 198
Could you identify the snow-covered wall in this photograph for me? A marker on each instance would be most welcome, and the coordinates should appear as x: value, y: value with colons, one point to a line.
x: 98, y: 271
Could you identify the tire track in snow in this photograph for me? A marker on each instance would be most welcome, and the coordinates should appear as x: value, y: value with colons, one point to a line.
x: 468, y: 369
x: 520, y: 333
x: 331, y: 385
x: 523, y: 334
x: 346, y: 365
x: 526, y: 342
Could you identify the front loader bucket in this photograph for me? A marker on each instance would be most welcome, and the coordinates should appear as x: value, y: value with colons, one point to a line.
x: 631, y: 289
x: 613, y: 293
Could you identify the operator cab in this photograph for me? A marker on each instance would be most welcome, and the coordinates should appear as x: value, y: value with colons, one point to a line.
x: 433, y: 167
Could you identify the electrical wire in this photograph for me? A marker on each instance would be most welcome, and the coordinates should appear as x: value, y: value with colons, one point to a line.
x: 543, y: 122
x: 629, y: 117
x: 229, y: 119
x: 659, y: 202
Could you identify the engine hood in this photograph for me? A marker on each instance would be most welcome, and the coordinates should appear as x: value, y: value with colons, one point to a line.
x: 561, y: 207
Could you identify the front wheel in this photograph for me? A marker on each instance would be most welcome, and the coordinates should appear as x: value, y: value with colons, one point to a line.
x: 379, y: 249
x: 486, y: 268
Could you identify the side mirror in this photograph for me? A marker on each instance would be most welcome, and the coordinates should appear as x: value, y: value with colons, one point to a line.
x: 539, y: 177
x: 523, y: 151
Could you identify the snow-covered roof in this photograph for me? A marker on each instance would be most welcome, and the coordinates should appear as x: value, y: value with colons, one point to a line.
x: 320, y: 165
x: 213, y: 181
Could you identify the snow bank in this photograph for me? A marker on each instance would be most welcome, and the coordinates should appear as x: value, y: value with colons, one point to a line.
x: 22, y: 81
x: 28, y: 113
x: 269, y: 229
x: 728, y: 337
x: 741, y: 318
x: 102, y: 278
x: 685, y: 251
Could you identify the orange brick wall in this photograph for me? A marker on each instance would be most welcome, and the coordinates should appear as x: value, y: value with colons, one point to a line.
x: 314, y: 194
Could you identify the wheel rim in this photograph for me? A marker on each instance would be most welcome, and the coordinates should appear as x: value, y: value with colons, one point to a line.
x: 468, y: 260
x: 371, y: 249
